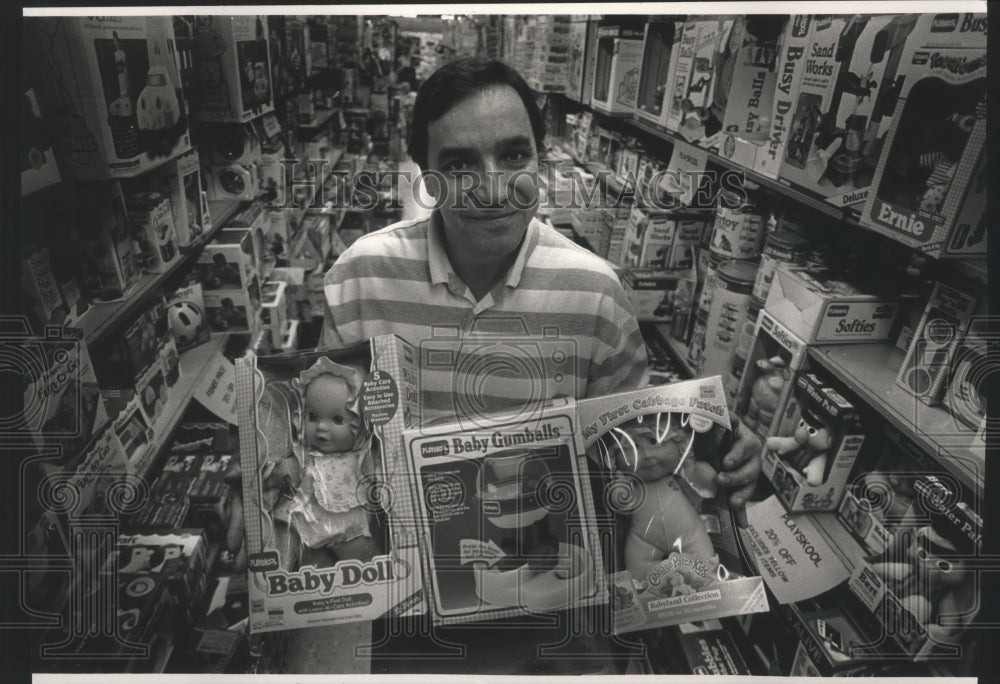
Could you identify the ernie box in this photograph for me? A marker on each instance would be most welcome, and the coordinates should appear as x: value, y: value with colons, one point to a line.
x: 927, y: 167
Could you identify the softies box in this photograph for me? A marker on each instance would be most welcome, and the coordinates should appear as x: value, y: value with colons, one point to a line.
x: 821, y: 310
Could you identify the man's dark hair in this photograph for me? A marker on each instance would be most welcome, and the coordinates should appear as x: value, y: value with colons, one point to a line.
x: 457, y: 81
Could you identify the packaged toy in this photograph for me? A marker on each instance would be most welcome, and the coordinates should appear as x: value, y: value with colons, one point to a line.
x: 809, y: 464
x: 112, y: 90
x: 672, y: 571
x: 842, y: 107
x: 234, y: 68
x: 927, y: 165
x: 316, y: 548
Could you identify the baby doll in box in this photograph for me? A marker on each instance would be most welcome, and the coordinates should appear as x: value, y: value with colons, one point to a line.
x: 312, y: 486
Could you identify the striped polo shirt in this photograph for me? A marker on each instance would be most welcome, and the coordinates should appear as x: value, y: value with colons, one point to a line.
x: 559, y: 324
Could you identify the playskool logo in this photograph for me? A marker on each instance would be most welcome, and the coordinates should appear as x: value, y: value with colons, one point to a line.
x: 346, y: 575
x: 944, y: 23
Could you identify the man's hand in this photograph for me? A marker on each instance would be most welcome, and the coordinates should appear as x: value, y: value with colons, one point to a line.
x: 740, y: 468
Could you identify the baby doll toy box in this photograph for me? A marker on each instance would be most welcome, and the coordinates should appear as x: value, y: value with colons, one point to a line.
x: 314, y: 483
x: 680, y: 536
x: 809, y: 462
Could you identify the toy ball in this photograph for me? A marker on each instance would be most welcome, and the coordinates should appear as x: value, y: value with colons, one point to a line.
x: 185, y: 320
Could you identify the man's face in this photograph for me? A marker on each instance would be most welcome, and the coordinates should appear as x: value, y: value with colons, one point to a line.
x: 485, y: 142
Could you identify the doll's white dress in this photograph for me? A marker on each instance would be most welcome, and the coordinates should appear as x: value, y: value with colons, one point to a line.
x: 327, y: 508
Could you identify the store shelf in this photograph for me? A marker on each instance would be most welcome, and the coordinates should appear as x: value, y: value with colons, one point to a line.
x: 194, y: 363
x: 869, y: 370
x: 320, y: 118
x: 104, y: 318
x: 677, y: 348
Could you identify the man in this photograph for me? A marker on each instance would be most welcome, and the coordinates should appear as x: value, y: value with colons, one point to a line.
x: 482, y: 263
x: 485, y: 277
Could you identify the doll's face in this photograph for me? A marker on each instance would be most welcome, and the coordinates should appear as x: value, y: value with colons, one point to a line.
x: 326, y: 421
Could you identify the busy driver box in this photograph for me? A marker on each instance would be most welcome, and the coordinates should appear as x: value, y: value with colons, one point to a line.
x: 301, y: 517
x: 809, y: 461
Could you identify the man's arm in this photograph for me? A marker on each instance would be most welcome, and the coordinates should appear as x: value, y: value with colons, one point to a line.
x: 619, y: 361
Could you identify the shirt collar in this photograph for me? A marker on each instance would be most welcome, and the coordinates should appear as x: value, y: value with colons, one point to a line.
x: 441, y: 270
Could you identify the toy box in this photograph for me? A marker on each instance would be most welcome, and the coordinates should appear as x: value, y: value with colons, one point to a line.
x: 227, y: 262
x: 136, y: 436
x: 108, y: 266
x: 829, y: 643
x: 922, y: 589
x: 71, y: 410
x: 293, y: 580
x: 746, y: 86
x: 652, y: 291
x: 274, y: 309
x: 841, y: 109
x: 936, y: 138
x: 234, y: 68
x: 809, y: 464
x: 208, y: 495
x: 765, y: 401
x: 705, y: 647
x: 151, y: 222
x: 138, y: 638
x: 679, y: 552
x: 186, y: 316
x: 234, y: 311
x: 179, y: 557
x: 40, y: 295
x: 153, y: 393
x: 112, y: 92
x: 36, y: 160
x: 575, y: 67
x: 790, y: 67
x: 180, y: 180
x: 928, y: 361
x: 661, y: 44
x: 131, y: 354
x: 616, y: 76
x: 693, y: 78
x: 232, y: 181
x: 494, y: 543
x: 663, y: 238
x: 252, y: 218
x: 821, y: 310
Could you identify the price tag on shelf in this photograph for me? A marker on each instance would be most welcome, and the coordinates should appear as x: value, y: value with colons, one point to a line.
x: 216, y: 390
x: 792, y: 556
x: 685, y: 172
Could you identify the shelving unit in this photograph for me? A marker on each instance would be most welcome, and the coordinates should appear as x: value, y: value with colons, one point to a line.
x: 869, y: 370
x: 972, y: 267
x: 677, y: 348
x: 193, y: 364
x: 104, y: 318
